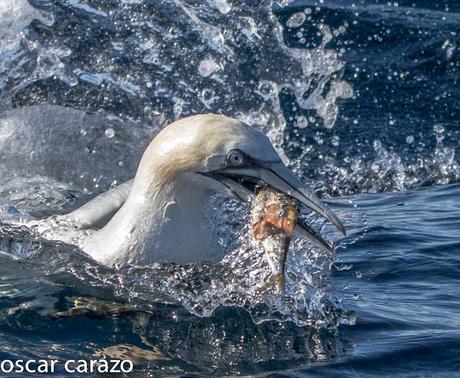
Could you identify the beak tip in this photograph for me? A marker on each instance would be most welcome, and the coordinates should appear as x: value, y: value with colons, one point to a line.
x: 337, y: 223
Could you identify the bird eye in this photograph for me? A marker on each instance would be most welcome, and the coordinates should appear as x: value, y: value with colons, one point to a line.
x: 235, y: 158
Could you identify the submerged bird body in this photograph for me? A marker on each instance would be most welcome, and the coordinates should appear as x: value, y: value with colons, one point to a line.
x: 161, y: 213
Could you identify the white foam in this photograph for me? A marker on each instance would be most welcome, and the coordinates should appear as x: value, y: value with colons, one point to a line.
x: 15, y: 15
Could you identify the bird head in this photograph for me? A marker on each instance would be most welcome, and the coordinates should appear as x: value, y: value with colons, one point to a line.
x: 225, y: 155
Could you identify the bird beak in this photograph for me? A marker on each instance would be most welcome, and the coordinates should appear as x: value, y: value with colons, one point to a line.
x: 278, y: 176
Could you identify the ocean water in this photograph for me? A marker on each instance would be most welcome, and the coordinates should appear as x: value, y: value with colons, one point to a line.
x: 360, y: 98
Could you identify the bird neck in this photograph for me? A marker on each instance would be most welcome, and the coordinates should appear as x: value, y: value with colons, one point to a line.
x: 159, y: 220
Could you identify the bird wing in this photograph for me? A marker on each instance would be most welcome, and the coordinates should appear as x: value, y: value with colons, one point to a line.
x: 97, y: 212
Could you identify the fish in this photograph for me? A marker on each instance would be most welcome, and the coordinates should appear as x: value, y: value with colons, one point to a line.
x: 273, y: 220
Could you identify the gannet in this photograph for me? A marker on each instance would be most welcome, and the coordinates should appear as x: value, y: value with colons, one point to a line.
x: 160, y: 213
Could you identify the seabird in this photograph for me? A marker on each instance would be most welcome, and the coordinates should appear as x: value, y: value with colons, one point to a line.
x: 160, y: 213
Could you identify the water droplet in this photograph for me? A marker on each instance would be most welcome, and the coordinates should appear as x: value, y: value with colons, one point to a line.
x: 222, y: 6
x: 302, y: 122
x: 207, y: 67
x: 410, y: 139
x: 438, y: 128
x: 344, y: 267
x: 109, y: 133
x: 178, y: 107
x: 296, y: 20
x: 352, y: 318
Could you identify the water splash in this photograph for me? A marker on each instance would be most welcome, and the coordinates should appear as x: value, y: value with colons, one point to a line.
x: 215, y: 293
x: 167, y: 74
x: 385, y: 170
x: 15, y: 15
x: 237, y: 281
x: 256, y: 63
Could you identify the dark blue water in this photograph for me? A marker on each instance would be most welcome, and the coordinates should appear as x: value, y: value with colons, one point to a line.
x: 362, y: 100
